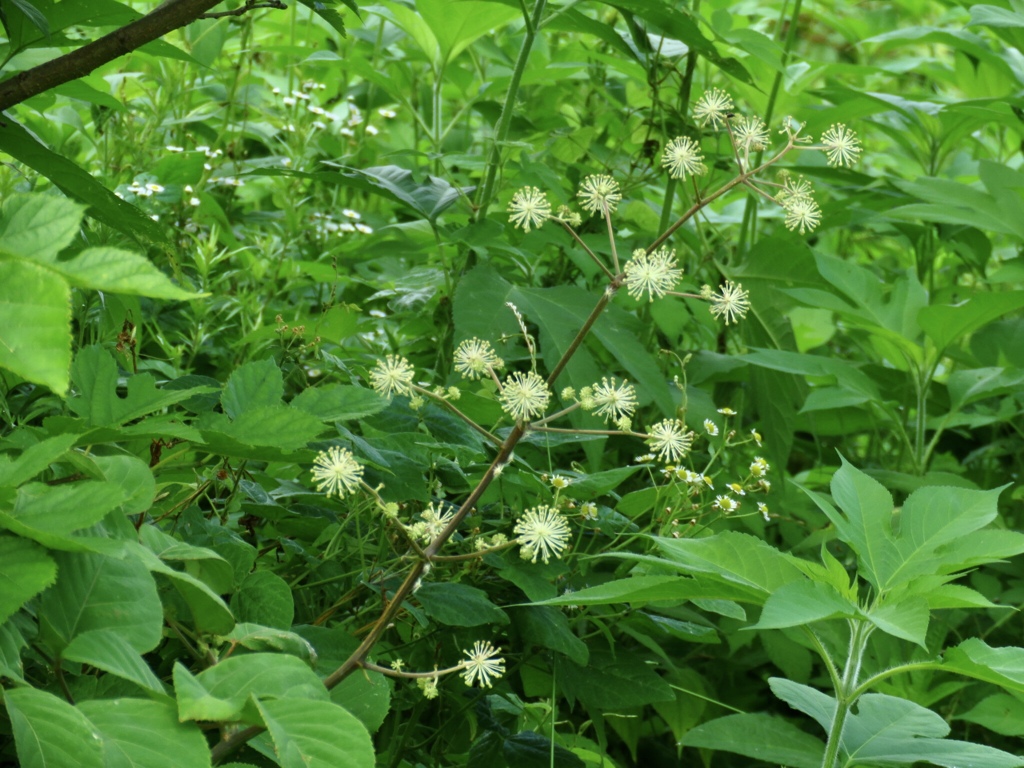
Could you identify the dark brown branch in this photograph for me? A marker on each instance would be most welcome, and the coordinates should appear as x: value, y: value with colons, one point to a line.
x: 81, y: 61
x: 250, y: 5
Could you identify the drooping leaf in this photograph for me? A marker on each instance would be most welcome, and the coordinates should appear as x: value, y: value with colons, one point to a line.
x: 25, y: 571
x: 459, y: 605
x: 50, y: 733
x: 316, y: 734
x: 140, y: 732
x: 109, y: 651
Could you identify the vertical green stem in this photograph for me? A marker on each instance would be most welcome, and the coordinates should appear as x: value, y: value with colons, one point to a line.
x: 507, y: 109
x: 846, y: 693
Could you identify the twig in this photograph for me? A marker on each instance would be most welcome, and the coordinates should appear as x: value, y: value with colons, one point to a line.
x: 250, y: 5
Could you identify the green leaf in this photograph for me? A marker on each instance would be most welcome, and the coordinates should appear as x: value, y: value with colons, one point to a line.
x: 975, y: 658
x: 50, y: 513
x: 737, y: 558
x: 819, y: 706
x: 50, y: 733
x: 264, y: 598
x: 278, y: 426
x: 109, y: 651
x: 456, y: 26
x: 25, y: 571
x: 35, y: 458
x: 251, y: 386
x: 35, y: 324
x: 802, y: 602
x: 119, y: 271
x: 528, y: 749
x: 209, y: 612
x: 637, y: 589
x: 906, y: 618
x: 549, y: 628
x: 75, y: 182
x: 316, y: 734
x: 38, y: 227
x: 946, y: 323
x: 760, y: 737
x: 95, y: 375
x: 459, y: 605
x: 339, y: 402
x: 968, y: 386
x: 96, y: 592
x: 1000, y: 712
x: 267, y: 639
x: 227, y: 686
x: 612, y: 682
x: 146, y: 734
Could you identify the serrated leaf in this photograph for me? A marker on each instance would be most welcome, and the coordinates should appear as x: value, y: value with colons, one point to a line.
x: 38, y: 227
x: 278, y: 426
x: 459, y: 605
x: 146, y: 734
x: 25, y: 571
x: 50, y: 733
x: 118, y: 271
x: 264, y: 598
x: 316, y: 734
x: 110, y: 652
x: 339, y: 402
x: 44, y: 512
x: 35, y: 324
x: 252, y: 385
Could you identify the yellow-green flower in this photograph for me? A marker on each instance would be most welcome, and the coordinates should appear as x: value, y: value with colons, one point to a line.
x: 529, y: 207
x: 482, y: 665
x: 336, y: 471
x: 392, y: 376
x: 599, y: 193
x: 543, y: 533
x: 524, y: 395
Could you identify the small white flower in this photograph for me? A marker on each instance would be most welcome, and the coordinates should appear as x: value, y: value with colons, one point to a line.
x: 588, y: 510
x: 652, y: 273
x: 759, y: 467
x: 763, y: 509
x: 731, y: 302
x: 710, y: 427
x: 670, y: 439
x: 543, y: 533
x: 366, y: 230
x: 473, y: 358
x: 713, y: 107
x: 392, y: 376
x: 434, y: 521
x: 529, y: 208
x: 336, y: 471
x: 749, y: 134
x: 726, y: 504
x: 559, y: 482
x: 524, y: 395
x: 841, y: 145
x: 802, y: 213
x: 599, y: 193
x: 482, y: 664
x: 682, y: 156
x: 612, y: 400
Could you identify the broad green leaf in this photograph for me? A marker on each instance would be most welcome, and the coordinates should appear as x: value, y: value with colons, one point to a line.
x: 35, y: 324
x: 48, y: 513
x: 95, y: 592
x: 133, y: 477
x: 138, y: 733
x: 999, y: 712
x: 760, y: 737
x: 209, y: 611
x: 612, y: 682
x: 733, y: 557
x: 98, y: 402
x: 252, y: 385
x: 316, y: 734
x: 638, y: 589
x: 118, y: 271
x: 267, y: 639
x: 279, y: 426
x: 76, y: 182
x: 528, y: 749
x: 966, y: 387
x: 819, y: 706
x: 459, y: 605
x: 945, y: 323
x: 264, y: 598
x: 846, y: 375
x: 12, y: 644
x: 234, y: 680
x: 50, y: 733
x: 109, y: 651
x: 25, y: 571
x: 203, y: 563
x: 339, y: 402
x: 38, y: 227
x: 906, y: 618
x: 975, y: 658
x: 35, y: 458
x: 549, y: 628
x: 457, y: 25
x: 802, y: 602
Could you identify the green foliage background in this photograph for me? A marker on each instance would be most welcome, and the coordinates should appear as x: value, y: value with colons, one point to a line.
x: 206, y: 245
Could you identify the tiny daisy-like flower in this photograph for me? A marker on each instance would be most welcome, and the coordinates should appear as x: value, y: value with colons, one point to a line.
x: 802, y: 213
x: 397, y: 665
x: 614, y: 401
x: 712, y: 107
x: 757, y: 437
x: 759, y: 467
x: 524, y: 395
x: 473, y: 358
x: 482, y: 664
x: 841, y: 145
x: 435, y: 521
x: 736, y: 488
x: 336, y: 471
x: 691, y: 478
x: 763, y: 509
x: 558, y: 482
x: 727, y: 411
x: 644, y: 458
x: 682, y: 156
x: 652, y: 273
x: 670, y: 439
x: 599, y: 193
x: 731, y: 302
x: 725, y: 504
x: 543, y: 533
x: 710, y: 427
x: 392, y: 376
x: 749, y: 133
x: 529, y: 208
x: 589, y: 510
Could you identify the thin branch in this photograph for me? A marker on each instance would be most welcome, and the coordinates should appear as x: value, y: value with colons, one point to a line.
x: 251, y: 5
x: 81, y: 61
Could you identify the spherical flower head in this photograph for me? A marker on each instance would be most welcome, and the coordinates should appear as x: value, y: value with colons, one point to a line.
x: 542, y: 532
x: 793, y: 189
x: 529, y: 207
x: 652, y: 273
x: 524, y: 395
x: 682, y: 156
x: 713, y: 107
x: 613, y: 400
x: 435, y: 520
x: 474, y: 358
x: 336, y: 471
x: 802, y: 213
x: 731, y: 302
x: 599, y: 193
x: 670, y: 440
x: 842, y: 147
x: 392, y: 376
x: 749, y: 134
x: 482, y: 665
